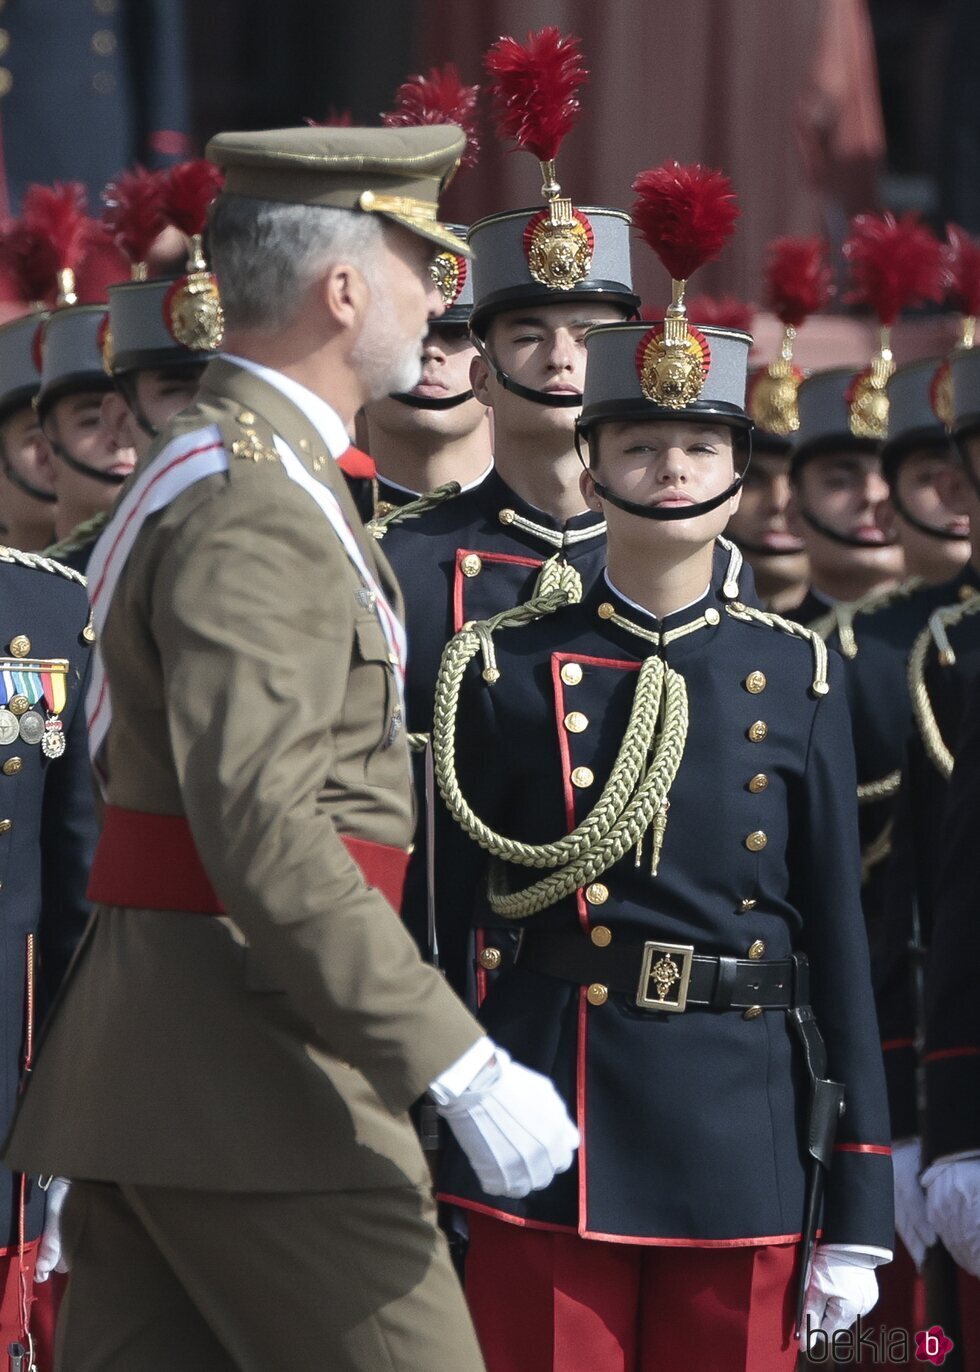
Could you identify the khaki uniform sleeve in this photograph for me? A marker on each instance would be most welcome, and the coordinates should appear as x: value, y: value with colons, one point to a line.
x: 254, y: 613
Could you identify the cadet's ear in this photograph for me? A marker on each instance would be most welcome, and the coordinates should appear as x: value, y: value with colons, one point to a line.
x: 45, y: 460
x: 480, y: 378
x: 586, y: 484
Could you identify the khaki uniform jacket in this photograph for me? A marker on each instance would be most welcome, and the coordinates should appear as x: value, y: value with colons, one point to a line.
x: 277, y: 1048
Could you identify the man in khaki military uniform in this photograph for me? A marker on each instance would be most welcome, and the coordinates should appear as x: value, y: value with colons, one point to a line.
x: 228, y: 1072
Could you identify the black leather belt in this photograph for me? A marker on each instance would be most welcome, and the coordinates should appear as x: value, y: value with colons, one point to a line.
x: 665, y: 976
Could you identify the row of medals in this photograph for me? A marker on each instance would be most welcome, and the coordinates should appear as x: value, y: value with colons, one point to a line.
x: 20, y: 721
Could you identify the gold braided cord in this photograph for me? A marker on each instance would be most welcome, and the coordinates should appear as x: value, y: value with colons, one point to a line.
x: 41, y: 562
x: 842, y: 616
x: 876, y: 852
x: 748, y: 614
x: 935, y: 632
x: 632, y: 797
x: 380, y: 525
x: 80, y: 537
x: 883, y: 789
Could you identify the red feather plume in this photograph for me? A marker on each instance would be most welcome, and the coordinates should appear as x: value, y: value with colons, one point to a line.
x: 685, y: 214
x: 962, y: 256
x: 798, y: 279
x: 102, y: 264
x: 134, y: 214
x: 438, y: 98
x: 30, y: 260
x: 536, y: 89
x: 895, y: 263
x: 189, y: 189
x: 58, y: 213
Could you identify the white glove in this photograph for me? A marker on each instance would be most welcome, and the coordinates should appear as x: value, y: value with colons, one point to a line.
x: 953, y: 1206
x: 49, y: 1255
x: 512, y: 1125
x: 915, y: 1229
x: 842, y: 1287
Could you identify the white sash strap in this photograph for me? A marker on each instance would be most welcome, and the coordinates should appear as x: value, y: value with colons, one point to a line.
x: 182, y: 463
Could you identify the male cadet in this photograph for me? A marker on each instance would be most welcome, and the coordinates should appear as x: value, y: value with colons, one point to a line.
x: 670, y: 769
x: 228, y: 1072
x: 47, y: 838
x: 797, y: 280
x: 438, y: 432
x: 838, y: 500
x: 27, y: 498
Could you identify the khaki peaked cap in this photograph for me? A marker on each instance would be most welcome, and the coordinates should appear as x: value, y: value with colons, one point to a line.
x: 397, y: 173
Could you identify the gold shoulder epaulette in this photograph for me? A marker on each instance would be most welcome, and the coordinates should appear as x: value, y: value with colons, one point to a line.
x: 42, y: 563
x: 841, y: 617
x: 80, y: 537
x: 748, y: 614
x: 391, y: 515
x: 935, y: 634
x: 243, y: 440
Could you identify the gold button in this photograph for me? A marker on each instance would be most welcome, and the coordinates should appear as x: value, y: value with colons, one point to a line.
x: 571, y: 674
x: 756, y: 841
x: 712, y: 616
x: 597, y: 894
x: 967, y: 592
x: 506, y: 516
x: 753, y: 1012
x: 755, y: 682
x: 20, y: 645
x: 758, y: 783
x: 6, y: 80
x: 247, y: 417
x: 601, y: 936
x: 104, y: 42
x: 103, y: 82
x: 6, y: 824
x: 582, y: 776
x: 18, y: 704
x: 757, y: 950
x: 758, y: 731
x: 597, y: 994
x: 605, y: 610
x: 490, y: 959
x: 576, y: 722
x: 730, y: 590
x: 746, y: 904
x: 471, y: 565
x: 88, y: 633
x: 4, y: 41
x: 12, y: 766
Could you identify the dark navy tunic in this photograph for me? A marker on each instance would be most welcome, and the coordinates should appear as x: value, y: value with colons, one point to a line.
x: 692, y: 1123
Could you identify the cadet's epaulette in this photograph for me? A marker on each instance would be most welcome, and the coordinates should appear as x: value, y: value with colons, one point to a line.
x: 80, y: 537
x: 841, y: 617
x: 42, y: 563
x: 748, y: 614
x: 935, y: 634
x: 385, y: 518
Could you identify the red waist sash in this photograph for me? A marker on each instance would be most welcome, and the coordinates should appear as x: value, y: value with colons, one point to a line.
x: 150, y: 862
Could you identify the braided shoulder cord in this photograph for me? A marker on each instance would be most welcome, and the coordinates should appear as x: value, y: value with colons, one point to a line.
x: 381, y: 523
x: 876, y: 852
x: 748, y: 614
x: 633, y: 795
x: 80, y: 537
x: 41, y: 562
x: 883, y: 789
x: 733, y: 572
x: 935, y: 632
x: 845, y: 614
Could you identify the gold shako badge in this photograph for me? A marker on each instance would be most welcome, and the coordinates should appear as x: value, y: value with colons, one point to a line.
x: 449, y: 270
x: 558, y: 244
x: 941, y: 394
x: 672, y: 362
x: 867, y: 399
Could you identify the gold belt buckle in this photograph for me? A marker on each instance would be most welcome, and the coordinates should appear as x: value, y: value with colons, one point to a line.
x: 665, y: 966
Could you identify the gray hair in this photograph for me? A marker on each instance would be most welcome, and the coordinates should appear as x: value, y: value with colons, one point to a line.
x: 267, y: 255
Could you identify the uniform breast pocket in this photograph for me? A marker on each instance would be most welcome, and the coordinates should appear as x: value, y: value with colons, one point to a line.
x: 374, y: 683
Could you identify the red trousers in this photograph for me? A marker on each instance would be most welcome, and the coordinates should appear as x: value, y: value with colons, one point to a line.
x: 24, y: 1304
x: 553, y: 1302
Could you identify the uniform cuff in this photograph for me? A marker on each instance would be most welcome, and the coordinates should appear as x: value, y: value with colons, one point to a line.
x: 454, y: 1081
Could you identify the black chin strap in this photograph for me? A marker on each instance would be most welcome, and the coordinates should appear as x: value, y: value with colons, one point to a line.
x: 22, y: 484
x: 83, y: 468
x: 555, y: 401
x: 845, y: 540
x: 949, y: 535
x: 428, y: 402
x: 667, y: 512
